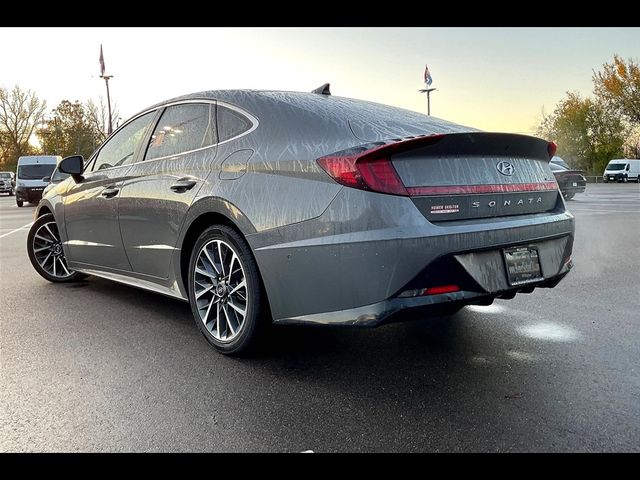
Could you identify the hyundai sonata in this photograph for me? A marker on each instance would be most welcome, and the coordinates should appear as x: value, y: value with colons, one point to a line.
x: 305, y: 208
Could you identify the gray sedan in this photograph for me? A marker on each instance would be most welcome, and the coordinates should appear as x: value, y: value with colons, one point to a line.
x: 305, y: 208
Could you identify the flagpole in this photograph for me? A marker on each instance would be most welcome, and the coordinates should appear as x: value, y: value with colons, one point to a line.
x: 106, y: 81
x: 428, y: 92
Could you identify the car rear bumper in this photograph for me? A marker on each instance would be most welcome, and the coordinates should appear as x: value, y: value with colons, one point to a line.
x: 386, y: 311
x: 577, y: 189
x: 349, y: 265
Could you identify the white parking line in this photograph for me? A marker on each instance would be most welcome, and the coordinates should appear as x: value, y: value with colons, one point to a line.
x: 16, y: 230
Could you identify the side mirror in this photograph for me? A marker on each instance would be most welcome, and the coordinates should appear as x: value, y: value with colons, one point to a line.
x: 73, y: 166
x: 46, y: 179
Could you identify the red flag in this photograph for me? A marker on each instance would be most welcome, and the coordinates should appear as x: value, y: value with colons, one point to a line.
x: 101, y: 62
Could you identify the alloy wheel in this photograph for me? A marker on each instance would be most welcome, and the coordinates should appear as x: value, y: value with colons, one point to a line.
x: 220, y: 289
x: 48, y: 252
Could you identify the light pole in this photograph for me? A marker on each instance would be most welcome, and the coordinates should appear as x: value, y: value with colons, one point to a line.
x: 106, y: 81
x: 428, y: 92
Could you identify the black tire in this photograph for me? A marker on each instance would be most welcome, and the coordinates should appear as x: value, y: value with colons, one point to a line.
x: 31, y: 238
x: 569, y: 196
x: 625, y: 179
x: 638, y: 179
x: 255, y: 321
x: 19, y: 203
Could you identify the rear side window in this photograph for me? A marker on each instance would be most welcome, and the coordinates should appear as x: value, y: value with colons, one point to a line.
x: 183, y: 128
x: 231, y: 123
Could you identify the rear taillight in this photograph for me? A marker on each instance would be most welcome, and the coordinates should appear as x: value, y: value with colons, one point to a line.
x: 376, y: 174
x: 551, y: 149
x: 371, y: 169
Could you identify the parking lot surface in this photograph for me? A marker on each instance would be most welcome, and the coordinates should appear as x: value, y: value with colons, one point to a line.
x: 97, y: 366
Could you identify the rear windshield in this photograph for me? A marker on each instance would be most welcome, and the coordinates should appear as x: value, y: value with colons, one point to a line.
x: 616, y: 166
x: 5, y: 175
x: 556, y: 168
x: 35, y: 172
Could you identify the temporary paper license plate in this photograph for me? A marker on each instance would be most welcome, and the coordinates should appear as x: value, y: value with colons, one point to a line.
x: 523, y: 265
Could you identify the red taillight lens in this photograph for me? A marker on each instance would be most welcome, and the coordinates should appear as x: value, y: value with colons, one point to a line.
x: 343, y: 170
x: 441, y: 289
x: 376, y: 174
x: 380, y: 175
x: 551, y: 149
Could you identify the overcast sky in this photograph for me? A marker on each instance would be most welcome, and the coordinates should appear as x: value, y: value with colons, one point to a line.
x: 495, y: 79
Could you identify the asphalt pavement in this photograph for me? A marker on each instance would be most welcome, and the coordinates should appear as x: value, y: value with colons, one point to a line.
x: 97, y: 366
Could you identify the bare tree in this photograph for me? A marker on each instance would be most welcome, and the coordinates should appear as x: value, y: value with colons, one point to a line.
x: 98, y: 116
x: 20, y: 112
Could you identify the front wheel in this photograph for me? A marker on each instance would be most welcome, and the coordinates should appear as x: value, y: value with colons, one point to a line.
x: 625, y: 179
x: 225, y: 291
x: 44, y: 247
x: 569, y: 196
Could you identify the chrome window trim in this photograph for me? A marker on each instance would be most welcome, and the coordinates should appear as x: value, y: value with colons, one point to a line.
x: 254, y: 121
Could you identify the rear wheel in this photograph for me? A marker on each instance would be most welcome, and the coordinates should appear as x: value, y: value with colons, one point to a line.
x: 19, y: 203
x: 225, y: 290
x: 44, y: 247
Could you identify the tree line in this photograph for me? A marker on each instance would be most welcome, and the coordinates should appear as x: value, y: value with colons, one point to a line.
x: 73, y: 127
x: 591, y: 130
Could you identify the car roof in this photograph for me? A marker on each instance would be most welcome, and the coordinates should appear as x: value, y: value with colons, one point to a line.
x: 258, y: 101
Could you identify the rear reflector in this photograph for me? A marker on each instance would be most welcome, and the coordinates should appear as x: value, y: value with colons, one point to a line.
x: 430, y: 291
x: 440, y: 290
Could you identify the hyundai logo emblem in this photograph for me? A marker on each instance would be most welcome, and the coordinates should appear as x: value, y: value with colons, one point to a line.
x: 505, y: 168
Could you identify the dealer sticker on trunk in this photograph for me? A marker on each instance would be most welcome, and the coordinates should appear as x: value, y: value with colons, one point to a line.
x: 435, y: 209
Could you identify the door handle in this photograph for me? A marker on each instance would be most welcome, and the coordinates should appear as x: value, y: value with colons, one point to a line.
x: 183, y: 185
x: 110, y: 192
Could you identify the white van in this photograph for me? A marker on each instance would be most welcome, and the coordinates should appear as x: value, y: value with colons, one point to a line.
x: 31, y: 174
x: 622, y: 170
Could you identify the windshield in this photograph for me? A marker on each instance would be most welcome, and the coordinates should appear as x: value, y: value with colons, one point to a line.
x: 616, y: 166
x: 5, y: 175
x: 35, y: 172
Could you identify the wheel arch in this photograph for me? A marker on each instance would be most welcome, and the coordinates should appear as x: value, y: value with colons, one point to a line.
x: 43, y: 208
x: 202, y: 214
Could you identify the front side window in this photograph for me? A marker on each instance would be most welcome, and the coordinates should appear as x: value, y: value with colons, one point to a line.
x: 58, y: 176
x: 231, y: 123
x: 183, y: 128
x: 121, y: 148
